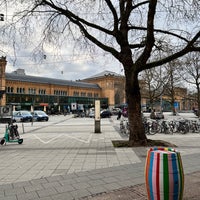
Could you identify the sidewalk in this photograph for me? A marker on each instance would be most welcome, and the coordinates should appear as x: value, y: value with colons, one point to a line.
x: 191, y: 191
x: 64, y: 160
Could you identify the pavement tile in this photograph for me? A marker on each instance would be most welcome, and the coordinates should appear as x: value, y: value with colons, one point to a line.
x: 34, y: 187
x: 27, y: 196
x: 97, y: 189
x: 70, y: 162
x: 47, y: 192
x: 63, y: 196
x: 14, y: 191
x: 14, y: 197
x: 80, y: 193
x: 65, y: 188
x: 51, y: 184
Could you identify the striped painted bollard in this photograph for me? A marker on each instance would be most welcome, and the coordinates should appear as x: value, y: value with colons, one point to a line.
x: 164, y: 174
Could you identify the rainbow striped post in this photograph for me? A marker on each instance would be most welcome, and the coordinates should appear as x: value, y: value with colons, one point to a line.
x: 164, y: 174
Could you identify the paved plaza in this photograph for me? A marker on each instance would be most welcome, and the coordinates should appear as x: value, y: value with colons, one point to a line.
x: 64, y: 159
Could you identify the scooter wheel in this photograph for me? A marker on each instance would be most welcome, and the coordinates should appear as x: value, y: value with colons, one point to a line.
x: 2, y: 141
x: 20, y: 141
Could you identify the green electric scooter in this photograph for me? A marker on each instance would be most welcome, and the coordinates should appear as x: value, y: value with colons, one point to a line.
x: 11, y: 135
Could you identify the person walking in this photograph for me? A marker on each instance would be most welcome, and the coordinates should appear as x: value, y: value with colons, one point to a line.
x: 119, y: 114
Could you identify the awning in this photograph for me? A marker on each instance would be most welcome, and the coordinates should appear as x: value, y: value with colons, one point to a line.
x: 44, y: 104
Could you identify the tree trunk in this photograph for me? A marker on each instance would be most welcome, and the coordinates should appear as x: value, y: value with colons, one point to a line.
x: 151, y: 105
x: 172, y: 106
x: 198, y: 100
x: 137, y: 132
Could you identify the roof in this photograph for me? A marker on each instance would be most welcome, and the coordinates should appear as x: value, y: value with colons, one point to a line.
x: 105, y: 73
x: 44, y: 80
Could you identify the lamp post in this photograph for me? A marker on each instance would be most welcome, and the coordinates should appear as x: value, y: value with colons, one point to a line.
x: 161, y: 109
x: 2, y: 80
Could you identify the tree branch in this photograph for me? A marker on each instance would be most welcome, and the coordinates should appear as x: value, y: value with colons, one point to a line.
x: 71, y: 15
x: 81, y: 22
x: 134, y: 46
x: 116, y: 20
x: 150, y: 34
x: 159, y: 31
x: 189, y: 48
x: 94, y: 40
x: 139, y: 4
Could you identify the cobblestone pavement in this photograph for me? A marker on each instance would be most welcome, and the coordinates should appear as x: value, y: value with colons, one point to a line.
x: 129, y: 193
x: 63, y: 159
x: 138, y: 192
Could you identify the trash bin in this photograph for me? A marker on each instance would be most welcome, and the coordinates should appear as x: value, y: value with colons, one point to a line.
x: 164, y: 176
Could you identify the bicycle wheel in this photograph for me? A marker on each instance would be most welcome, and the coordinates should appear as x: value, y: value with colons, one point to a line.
x: 152, y: 131
x: 155, y: 128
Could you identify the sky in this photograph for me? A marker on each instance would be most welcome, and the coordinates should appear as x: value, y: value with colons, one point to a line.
x: 66, y: 65
x: 63, y: 63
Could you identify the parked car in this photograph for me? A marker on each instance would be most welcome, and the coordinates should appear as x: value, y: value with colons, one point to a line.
x: 157, y: 115
x: 22, y: 116
x: 91, y: 114
x: 115, y: 111
x: 39, y: 115
x: 105, y: 113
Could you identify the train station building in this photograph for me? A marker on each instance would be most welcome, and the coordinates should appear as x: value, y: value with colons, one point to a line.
x: 23, y: 91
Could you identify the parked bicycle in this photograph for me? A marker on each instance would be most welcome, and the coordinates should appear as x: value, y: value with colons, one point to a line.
x: 153, y: 127
x: 181, y: 126
x: 166, y: 127
x: 194, y: 126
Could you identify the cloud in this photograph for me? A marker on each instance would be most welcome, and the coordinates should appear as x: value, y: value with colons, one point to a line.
x: 58, y: 67
x: 64, y: 62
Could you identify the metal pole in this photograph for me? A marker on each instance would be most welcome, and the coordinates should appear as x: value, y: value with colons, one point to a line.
x: 97, y: 117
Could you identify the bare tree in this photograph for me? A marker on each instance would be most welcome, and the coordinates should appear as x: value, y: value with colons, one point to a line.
x: 173, y: 69
x: 154, y: 80
x: 134, y: 32
x: 191, y: 75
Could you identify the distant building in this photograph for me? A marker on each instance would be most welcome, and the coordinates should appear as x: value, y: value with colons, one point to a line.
x: 33, y: 92
x: 112, y: 85
x: 56, y: 95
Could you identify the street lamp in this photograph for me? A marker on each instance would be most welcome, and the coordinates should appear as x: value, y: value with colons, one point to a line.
x: 161, y: 102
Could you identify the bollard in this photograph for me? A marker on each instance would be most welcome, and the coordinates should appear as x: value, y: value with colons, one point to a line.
x: 164, y: 176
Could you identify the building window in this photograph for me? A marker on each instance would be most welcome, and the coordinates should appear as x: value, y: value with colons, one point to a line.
x: 83, y: 94
x: 32, y: 91
x: 76, y: 94
x: 42, y: 91
x: 60, y: 93
x: 96, y: 95
x: 9, y: 89
x: 21, y: 90
x: 89, y: 94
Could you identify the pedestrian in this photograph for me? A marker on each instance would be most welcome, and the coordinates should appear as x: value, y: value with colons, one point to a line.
x: 119, y: 114
x: 153, y: 114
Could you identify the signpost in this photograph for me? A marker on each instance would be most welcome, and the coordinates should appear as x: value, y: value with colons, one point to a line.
x: 97, y: 117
